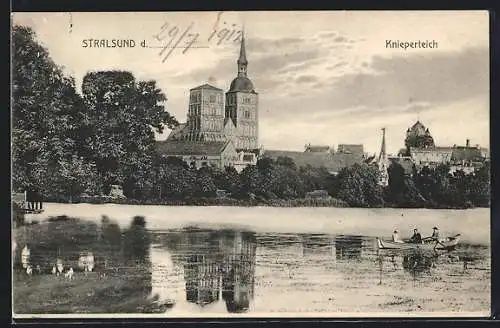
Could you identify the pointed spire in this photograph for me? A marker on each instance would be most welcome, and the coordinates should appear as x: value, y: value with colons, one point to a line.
x: 382, y: 162
x: 382, y: 154
x: 242, y: 60
x: 243, y: 53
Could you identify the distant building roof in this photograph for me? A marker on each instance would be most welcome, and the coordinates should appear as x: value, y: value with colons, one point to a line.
x: 352, y: 149
x: 332, y: 162
x: 206, y: 86
x: 317, y: 148
x: 432, y: 149
x: 468, y: 154
x: 177, y: 132
x: 176, y: 148
x: 253, y: 151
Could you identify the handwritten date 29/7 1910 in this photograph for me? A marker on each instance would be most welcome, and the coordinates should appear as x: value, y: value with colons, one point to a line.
x: 172, y: 37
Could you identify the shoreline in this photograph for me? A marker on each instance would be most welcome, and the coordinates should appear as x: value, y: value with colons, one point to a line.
x: 231, y: 202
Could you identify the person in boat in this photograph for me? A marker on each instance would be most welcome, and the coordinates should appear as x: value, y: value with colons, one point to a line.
x: 395, y: 237
x: 416, y: 238
x: 435, y: 233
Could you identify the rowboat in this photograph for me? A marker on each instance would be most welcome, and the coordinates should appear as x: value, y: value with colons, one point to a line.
x: 445, y: 244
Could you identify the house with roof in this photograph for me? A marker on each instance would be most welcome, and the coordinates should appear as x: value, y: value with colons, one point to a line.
x: 424, y: 153
x: 217, y: 154
x: 317, y: 148
x: 332, y: 161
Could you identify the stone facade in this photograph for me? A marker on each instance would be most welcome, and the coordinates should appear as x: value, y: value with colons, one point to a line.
x: 423, y: 152
x: 215, y: 117
x: 206, y: 114
x: 431, y: 156
x: 217, y: 154
x: 242, y: 110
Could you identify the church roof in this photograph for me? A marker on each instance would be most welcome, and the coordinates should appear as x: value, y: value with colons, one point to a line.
x: 243, y: 55
x: 418, y: 129
x: 241, y: 84
x: 206, y: 86
x: 176, y: 148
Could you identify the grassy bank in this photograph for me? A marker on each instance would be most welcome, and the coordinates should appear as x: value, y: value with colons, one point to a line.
x: 120, y: 281
x: 302, y: 202
x: 91, y: 293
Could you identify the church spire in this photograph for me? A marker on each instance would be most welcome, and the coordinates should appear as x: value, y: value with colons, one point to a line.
x: 382, y: 162
x: 383, y: 154
x: 242, y: 60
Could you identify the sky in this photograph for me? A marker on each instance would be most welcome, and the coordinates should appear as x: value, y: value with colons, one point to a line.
x: 323, y: 77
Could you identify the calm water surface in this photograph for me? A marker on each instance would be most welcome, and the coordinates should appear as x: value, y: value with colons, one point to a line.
x: 241, y: 271
x: 144, y: 268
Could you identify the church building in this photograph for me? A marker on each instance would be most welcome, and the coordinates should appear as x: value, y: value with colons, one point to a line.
x: 217, y: 118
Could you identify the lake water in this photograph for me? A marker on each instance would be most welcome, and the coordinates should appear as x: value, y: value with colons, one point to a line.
x: 230, y: 261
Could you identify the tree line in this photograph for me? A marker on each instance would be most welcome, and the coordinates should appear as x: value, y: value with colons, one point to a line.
x: 67, y: 143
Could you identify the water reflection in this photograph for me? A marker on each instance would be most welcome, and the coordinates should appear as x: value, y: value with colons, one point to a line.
x: 226, y: 271
x: 219, y: 265
x: 416, y: 262
x: 82, y: 266
x: 238, y: 280
x: 348, y: 247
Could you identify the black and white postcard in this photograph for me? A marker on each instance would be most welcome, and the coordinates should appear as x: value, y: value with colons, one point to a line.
x: 255, y: 164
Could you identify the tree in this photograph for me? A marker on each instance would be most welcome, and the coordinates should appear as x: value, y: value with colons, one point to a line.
x: 358, y: 186
x: 402, y: 190
x: 480, y: 186
x: 204, y: 185
x: 137, y: 241
x: 249, y: 181
x: 76, y: 176
x: 46, y: 112
x: 121, y: 117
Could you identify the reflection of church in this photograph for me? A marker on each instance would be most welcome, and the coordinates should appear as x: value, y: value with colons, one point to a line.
x: 239, y: 271
x: 222, y: 273
x: 202, y: 279
x: 348, y: 247
x: 220, y: 130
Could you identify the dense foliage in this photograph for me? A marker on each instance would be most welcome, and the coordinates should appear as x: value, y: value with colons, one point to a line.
x: 66, y: 144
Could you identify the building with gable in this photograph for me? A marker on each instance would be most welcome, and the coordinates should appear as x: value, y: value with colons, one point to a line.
x: 422, y: 151
x: 198, y: 154
x: 220, y: 130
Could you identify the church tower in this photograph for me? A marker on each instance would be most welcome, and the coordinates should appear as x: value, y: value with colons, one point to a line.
x: 206, y: 114
x: 242, y: 104
x: 382, y: 162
